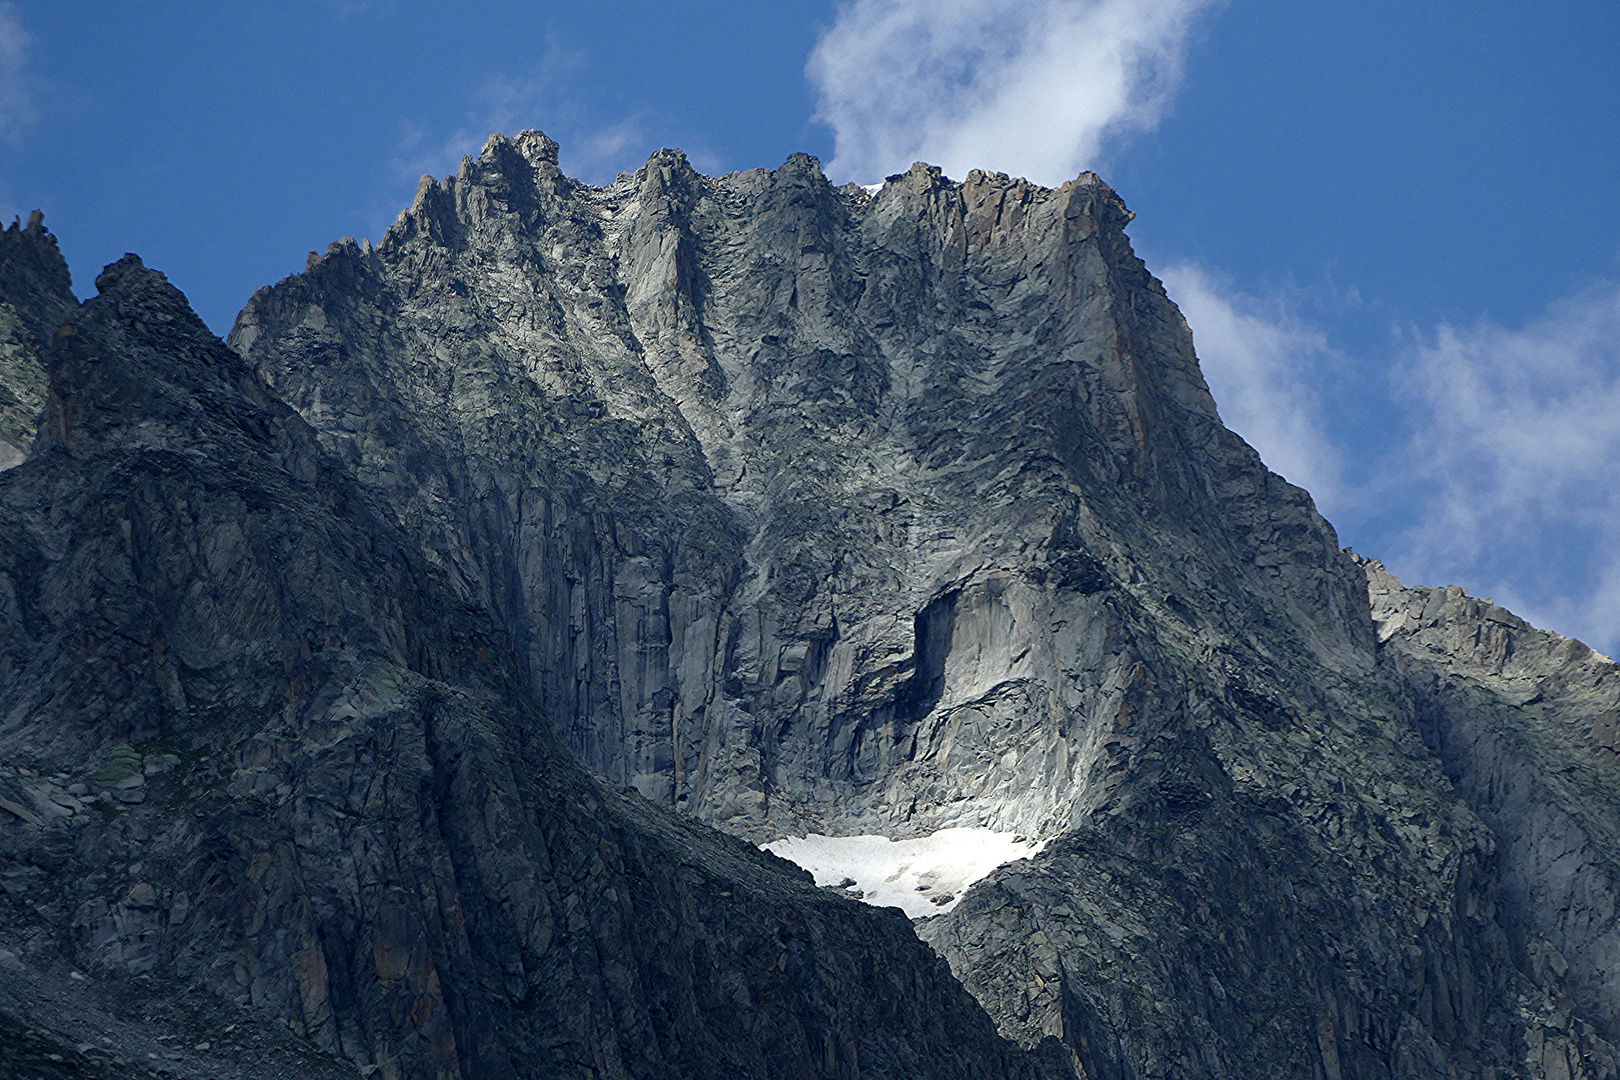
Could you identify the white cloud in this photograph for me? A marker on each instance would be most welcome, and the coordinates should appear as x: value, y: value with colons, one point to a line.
x: 1497, y: 462
x: 502, y: 104
x: 17, y: 111
x: 601, y: 153
x: 1515, y: 450
x: 1258, y: 358
x: 1037, y: 88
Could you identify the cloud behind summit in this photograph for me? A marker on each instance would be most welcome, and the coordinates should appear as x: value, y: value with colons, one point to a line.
x: 1038, y: 89
x: 17, y: 112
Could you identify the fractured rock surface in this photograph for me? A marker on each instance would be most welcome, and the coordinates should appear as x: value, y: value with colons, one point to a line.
x: 254, y: 748
x: 795, y: 509
x: 1525, y: 723
x: 815, y: 509
x: 806, y: 508
x: 36, y: 297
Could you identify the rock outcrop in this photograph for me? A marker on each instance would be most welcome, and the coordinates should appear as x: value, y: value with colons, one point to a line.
x: 805, y: 507
x: 1524, y: 722
x: 253, y: 746
x: 810, y: 508
x: 36, y: 297
x: 788, y: 507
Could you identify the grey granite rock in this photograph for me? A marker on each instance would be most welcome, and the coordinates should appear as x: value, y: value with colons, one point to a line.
x: 358, y: 843
x: 804, y: 507
x: 36, y: 297
x: 1525, y: 723
x: 809, y: 508
x: 789, y: 507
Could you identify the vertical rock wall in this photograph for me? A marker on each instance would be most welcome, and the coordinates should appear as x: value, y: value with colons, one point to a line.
x: 817, y: 509
x: 1524, y: 722
x: 36, y: 297
x: 259, y: 760
x: 761, y: 428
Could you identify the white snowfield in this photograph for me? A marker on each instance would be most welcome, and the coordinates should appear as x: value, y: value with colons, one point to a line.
x: 923, y: 876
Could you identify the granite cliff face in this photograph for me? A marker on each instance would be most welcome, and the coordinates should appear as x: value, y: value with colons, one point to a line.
x: 37, y: 298
x: 254, y: 747
x: 1525, y: 724
x: 795, y: 508
x: 804, y: 507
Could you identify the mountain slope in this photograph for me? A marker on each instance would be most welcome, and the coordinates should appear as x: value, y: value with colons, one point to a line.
x: 812, y: 509
x: 36, y: 296
x: 253, y: 746
x: 791, y: 508
x: 780, y: 437
x: 1525, y: 724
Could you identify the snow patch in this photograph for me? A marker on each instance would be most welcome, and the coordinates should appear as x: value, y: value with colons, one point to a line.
x: 872, y: 189
x: 926, y: 875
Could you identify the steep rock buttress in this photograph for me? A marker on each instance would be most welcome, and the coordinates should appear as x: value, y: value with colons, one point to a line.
x: 813, y: 509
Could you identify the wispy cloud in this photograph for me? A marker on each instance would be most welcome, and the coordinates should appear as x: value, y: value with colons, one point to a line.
x: 1038, y: 88
x: 599, y: 153
x: 501, y: 104
x: 1258, y: 356
x: 17, y: 110
x: 539, y: 99
x: 1515, y: 452
x: 1497, y: 462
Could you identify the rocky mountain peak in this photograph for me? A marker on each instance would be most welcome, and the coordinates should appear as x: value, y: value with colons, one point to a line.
x: 536, y: 147
x: 255, y: 746
x: 138, y: 367
x: 801, y: 389
x: 814, y: 509
x: 35, y: 277
x: 848, y: 521
x: 36, y: 297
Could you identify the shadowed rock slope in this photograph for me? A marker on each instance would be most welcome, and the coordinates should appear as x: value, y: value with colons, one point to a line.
x: 811, y: 508
x: 275, y: 802
x: 1527, y: 725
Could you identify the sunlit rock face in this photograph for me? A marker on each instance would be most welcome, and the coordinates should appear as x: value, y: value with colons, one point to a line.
x: 879, y: 511
x: 275, y: 802
x: 814, y: 512
x: 809, y: 508
x: 36, y: 297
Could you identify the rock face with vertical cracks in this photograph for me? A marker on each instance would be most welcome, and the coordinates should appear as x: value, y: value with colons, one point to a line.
x: 36, y: 297
x: 253, y: 745
x: 729, y: 457
x: 1525, y: 724
x: 790, y: 507
x: 812, y: 508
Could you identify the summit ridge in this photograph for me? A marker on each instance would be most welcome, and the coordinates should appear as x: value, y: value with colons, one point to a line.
x: 784, y: 508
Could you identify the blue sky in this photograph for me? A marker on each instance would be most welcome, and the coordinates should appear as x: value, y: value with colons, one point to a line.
x: 1394, y: 228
